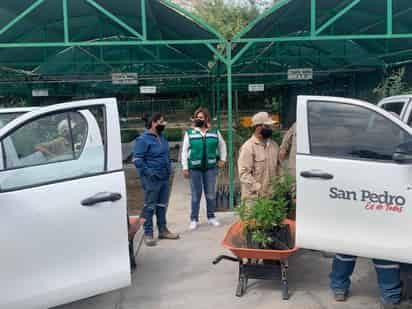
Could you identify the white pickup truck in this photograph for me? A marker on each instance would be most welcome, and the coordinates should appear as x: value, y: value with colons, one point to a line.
x: 63, y: 221
x: 354, y: 174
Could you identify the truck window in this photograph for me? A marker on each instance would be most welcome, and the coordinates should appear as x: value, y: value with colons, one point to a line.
x: 340, y: 130
x: 394, y: 107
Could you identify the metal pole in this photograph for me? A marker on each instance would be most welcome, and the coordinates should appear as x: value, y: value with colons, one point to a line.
x: 144, y: 18
x: 230, y: 120
x: 218, y: 102
x: 313, y: 18
x: 389, y: 26
x: 66, y: 21
x: 213, y: 99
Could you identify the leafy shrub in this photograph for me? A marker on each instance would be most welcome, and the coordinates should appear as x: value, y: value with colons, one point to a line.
x: 264, y: 215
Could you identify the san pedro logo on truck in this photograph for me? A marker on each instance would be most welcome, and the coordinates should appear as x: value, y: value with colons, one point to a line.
x: 367, y: 196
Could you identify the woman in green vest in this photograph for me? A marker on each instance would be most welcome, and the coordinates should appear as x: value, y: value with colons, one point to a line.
x: 204, y: 150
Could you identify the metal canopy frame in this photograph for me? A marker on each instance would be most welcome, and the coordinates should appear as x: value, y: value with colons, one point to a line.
x: 175, y: 56
x: 246, y: 39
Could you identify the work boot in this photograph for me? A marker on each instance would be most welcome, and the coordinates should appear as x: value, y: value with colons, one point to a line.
x: 149, y: 240
x: 166, y: 234
x: 340, y: 296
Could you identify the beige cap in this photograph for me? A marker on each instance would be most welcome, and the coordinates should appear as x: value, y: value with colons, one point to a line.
x: 262, y: 118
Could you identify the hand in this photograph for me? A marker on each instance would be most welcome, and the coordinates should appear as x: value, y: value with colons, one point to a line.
x: 221, y: 164
x: 282, y: 155
x: 186, y: 174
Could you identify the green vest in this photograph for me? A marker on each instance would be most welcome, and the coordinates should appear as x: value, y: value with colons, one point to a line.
x: 203, y: 151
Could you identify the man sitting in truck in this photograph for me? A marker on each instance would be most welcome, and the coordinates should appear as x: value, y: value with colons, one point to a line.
x: 62, y: 145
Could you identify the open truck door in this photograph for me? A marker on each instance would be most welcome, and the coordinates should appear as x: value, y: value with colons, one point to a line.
x: 354, y: 179
x: 63, y: 222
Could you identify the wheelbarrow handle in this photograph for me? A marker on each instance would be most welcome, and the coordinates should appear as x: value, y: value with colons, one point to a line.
x: 225, y: 257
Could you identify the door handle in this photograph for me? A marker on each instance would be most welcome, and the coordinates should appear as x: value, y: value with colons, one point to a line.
x: 319, y: 175
x: 101, y: 198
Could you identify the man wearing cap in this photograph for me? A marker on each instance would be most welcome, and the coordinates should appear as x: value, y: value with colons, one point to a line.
x: 258, y: 159
x: 62, y: 145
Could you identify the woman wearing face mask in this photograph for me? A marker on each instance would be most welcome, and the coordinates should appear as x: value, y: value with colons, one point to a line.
x: 151, y: 158
x: 204, y: 150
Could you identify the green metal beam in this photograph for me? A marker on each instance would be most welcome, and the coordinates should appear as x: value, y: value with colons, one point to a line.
x: 144, y: 18
x: 338, y: 16
x: 327, y: 38
x: 265, y: 14
x: 389, y: 26
x: 242, y: 52
x: 66, y: 22
x: 22, y: 15
x: 218, y: 101
x: 230, y: 121
x: 216, y: 52
x: 194, y: 18
x: 114, y: 18
x: 313, y: 18
x: 107, y: 43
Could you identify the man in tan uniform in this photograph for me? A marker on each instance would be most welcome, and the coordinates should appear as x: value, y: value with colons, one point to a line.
x: 288, y: 147
x: 258, y: 159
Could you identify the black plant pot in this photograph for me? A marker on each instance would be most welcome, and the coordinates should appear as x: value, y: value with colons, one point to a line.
x: 281, y: 235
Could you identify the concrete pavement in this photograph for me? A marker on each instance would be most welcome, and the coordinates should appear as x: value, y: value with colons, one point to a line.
x: 180, y: 275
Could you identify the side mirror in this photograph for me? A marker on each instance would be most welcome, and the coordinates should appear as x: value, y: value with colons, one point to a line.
x: 403, y: 154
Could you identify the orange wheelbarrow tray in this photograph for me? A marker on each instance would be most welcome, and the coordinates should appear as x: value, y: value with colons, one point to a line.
x: 257, y: 263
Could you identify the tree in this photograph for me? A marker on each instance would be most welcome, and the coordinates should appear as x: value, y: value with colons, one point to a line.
x: 228, y: 17
x: 392, y: 85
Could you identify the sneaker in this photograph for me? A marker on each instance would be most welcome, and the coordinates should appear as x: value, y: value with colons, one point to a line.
x: 213, y: 222
x: 149, y: 240
x: 193, y: 225
x: 168, y: 235
x: 340, y: 296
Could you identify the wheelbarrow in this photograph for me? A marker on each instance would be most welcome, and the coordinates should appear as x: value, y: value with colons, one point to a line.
x: 257, y: 263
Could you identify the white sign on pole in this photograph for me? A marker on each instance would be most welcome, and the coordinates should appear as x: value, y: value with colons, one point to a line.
x: 124, y: 78
x: 256, y: 87
x: 40, y: 92
x: 300, y: 74
x: 148, y: 89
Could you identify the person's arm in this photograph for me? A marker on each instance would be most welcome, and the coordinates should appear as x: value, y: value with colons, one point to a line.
x: 222, y: 148
x: 50, y: 148
x: 139, y: 153
x: 286, y: 143
x: 245, y: 167
x: 169, y: 158
x: 185, y: 152
x: 222, y: 151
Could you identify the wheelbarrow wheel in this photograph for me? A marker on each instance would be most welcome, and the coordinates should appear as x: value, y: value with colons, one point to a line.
x: 285, y: 291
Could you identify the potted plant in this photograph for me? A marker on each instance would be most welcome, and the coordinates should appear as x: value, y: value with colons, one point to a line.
x: 264, y: 218
x: 284, y: 188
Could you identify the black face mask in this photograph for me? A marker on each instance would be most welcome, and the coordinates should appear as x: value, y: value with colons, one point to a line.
x: 266, y: 133
x: 160, y: 128
x: 199, y: 123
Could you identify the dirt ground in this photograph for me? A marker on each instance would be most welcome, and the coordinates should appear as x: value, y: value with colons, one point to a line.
x: 135, y: 194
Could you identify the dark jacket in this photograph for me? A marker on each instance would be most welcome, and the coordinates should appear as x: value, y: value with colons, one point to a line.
x: 151, y: 156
